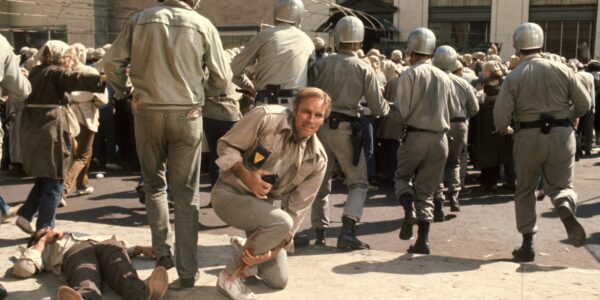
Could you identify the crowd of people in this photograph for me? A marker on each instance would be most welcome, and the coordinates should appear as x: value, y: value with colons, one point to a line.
x: 282, y: 116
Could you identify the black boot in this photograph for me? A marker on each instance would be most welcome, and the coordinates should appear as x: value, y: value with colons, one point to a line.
x: 301, y: 240
x: 525, y: 253
x: 3, y: 292
x: 410, y: 219
x: 347, y: 238
x: 421, y: 246
x: 320, y: 233
x: 453, y: 198
x: 567, y: 215
x: 438, y: 212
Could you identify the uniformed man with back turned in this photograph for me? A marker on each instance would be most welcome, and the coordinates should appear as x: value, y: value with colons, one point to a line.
x: 543, y: 97
x: 426, y: 100
x: 347, y: 79
x: 281, y: 56
x: 445, y: 58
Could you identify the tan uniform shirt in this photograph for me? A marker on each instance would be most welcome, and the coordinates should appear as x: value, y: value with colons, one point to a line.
x: 538, y: 86
x: 469, y: 105
x: 167, y: 46
x: 425, y: 98
x: 300, y: 164
x: 282, y: 55
x: 346, y: 78
x: 12, y: 81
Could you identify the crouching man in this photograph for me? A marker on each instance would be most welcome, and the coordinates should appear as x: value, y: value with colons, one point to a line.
x: 87, y: 261
x: 271, y: 154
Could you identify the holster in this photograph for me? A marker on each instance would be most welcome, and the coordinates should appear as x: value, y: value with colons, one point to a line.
x: 333, y: 121
x: 546, y: 123
x: 357, y: 141
x: 270, y: 94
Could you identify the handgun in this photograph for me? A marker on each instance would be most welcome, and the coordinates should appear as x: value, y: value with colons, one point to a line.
x: 271, y: 179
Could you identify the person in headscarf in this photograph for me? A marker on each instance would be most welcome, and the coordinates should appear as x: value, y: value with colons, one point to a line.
x: 85, y: 107
x: 46, y: 132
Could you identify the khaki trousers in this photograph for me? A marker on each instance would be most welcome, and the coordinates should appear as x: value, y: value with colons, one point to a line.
x: 549, y: 155
x: 421, y: 159
x: 265, y: 225
x: 167, y: 139
x: 338, y: 146
x: 452, y: 175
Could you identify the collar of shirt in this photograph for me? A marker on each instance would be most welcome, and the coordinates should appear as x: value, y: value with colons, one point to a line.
x: 309, y: 142
x: 531, y: 56
x: 424, y: 61
x: 347, y: 52
x: 176, y: 3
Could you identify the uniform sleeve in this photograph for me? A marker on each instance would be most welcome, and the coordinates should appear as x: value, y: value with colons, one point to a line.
x: 504, y: 106
x: 116, y: 60
x: 402, y: 97
x: 240, y: 138
x: 373, y: 95
x: 471, y: 105
x: 301, y: 198
x: 219, y: 71
x: 11, y: 79
x: 578, y: 96
x: 244, y: 59
x: 453, y: 100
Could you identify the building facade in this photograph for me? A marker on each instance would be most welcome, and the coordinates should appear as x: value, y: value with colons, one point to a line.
x: 571, y: 26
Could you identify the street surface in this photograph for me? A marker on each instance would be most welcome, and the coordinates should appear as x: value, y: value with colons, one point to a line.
x: 484, y: 230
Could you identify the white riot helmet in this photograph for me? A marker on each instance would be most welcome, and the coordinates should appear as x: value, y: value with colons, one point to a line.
x: 289, y: 11
x: 349, y: 29
x: 421, y: 41
x: 528, y: 36
x: 445, y: 58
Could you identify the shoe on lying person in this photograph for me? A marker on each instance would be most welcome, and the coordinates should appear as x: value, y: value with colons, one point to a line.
x: 25, y: 225
x: 88, y: 190
x: 157, y: 284
x: 234, y: 289
x: 67, y: 293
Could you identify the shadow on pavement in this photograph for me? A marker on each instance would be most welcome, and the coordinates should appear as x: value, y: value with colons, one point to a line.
x: 485, y: 199
x: 111, y: 215
x: 12, y: 243
x: 428, y: 264
x: 593, y: 245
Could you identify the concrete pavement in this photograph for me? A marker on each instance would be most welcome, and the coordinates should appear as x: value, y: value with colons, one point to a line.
x: 326, y: 273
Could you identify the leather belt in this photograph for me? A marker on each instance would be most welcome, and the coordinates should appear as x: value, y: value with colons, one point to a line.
x: 550, y: 123
x: 283, y: 97
x: 458, y: 120
x: 342, y: 117
x: 415, y: 129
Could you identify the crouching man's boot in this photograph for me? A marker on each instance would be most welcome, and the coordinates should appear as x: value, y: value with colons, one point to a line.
x: 421, y: 246
x: 525, y: 253
x: 438, y: 210
x: 320, y: 236
x: 410, y: 219
x: 453, y: 198
x: 566, y: 210
x: 347, y: 238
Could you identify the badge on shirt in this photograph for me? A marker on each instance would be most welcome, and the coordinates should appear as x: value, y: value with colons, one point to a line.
x: 257, y: 158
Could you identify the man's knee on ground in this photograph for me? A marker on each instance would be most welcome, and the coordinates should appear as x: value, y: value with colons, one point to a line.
x: 277, y: 282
